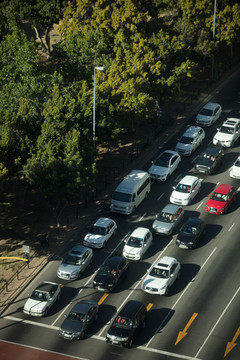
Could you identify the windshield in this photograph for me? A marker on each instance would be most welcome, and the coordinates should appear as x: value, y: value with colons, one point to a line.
x: 188, y: 229
x: 186, y: 140
x: 159, y: 273
x: 163, y: 160
x: 206, y: 112
x: 165, y: 217
x: 40, y: 295
x: 237, y: 163
x: 107, y: 270
x: 98, y: 230
x: 219, y: 197
x: 77, y: 317
x: 119, y: 196
x: 72, y: 260
x: 123, y: 322
x: 183, y: 188
x: 135, y: 242
x: 226, y: 130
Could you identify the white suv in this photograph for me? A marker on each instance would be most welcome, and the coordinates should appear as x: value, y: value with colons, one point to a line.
x: 190, y: 140
x: 208, y: 114
x: 137, y: 244
x: 185, y: 190
x: 228, y: 133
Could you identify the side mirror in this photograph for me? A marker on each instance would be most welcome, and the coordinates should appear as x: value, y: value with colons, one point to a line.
x: 209, y: 195
x: 174, y: 187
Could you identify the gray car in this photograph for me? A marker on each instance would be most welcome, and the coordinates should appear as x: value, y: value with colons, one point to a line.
x: 79, y: 320
x: 75, y: 262
x: 168, y: 219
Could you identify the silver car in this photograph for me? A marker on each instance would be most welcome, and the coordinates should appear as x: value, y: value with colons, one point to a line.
x: 168, y: 219
x: 75, y: 262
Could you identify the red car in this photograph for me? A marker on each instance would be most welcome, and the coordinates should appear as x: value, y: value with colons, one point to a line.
x: 221, y: 199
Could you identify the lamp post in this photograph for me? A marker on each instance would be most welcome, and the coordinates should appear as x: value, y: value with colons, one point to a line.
x: 214, y: 25
x: 101, y: 68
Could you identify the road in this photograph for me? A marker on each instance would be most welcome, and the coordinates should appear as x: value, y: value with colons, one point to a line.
x: 200, y: 319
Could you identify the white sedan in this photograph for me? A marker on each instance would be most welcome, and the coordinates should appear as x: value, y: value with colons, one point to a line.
x: 186, y: 190
x: 208, y: 114
x: 161, y: 276
x: 42, y: 298
x: 164, y: 165
x: 100, y: 233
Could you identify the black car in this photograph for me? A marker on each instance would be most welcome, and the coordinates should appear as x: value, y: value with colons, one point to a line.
x: 209, y: 160
x: 79, y: 320
x: 190, y: 233
x: 130, y: 319
x: 111, y: 273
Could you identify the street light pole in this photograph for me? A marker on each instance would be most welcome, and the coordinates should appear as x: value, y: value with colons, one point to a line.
x: 101, y: 68
x: 214, y: 25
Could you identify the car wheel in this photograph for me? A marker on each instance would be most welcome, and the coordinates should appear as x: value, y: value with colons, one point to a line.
x: 58, y: 297
x: 146, y: 195
x: 178, y: 275
x: 114, y: 233
x: 167, y: 291
x: 232, y: 143
x: 103, y: 245
x: 167, y: 177
x: 144, y: 323
x: 96, y: 317
x: 134, y: 208
x: 129, y: 344
x: 82, y: 335
x: 46, y: 311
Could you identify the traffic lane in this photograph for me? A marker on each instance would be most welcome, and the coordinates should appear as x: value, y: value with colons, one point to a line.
x: 209, y: 294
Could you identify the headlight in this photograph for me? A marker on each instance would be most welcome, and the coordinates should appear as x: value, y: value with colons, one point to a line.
x: 163, y: 287
x: 74, y: 273
x: 124, y: 339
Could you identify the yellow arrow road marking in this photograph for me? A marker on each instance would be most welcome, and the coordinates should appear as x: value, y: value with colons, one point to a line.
x: 149, y: 306
x: 183, y: 333
x: 232, y: 344
x: 103, y: 298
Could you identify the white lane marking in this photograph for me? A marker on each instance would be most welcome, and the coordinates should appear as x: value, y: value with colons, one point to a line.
x: 231, y: 227
x: 178, y: 177
x: 170, y: 311
x: 40, y: 349
x: 195, y: 159
x: 31, y: 322
x: 160, y: 196
x: 140, y: 219
x: 199, y: 205
x: 210, y: 142
x: 219, y: 319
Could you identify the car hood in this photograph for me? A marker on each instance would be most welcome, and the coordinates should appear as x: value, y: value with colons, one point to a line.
x: 72, y: 326
x: 216, y: 204
x: 204, y: 162
x: 183, y: 147
x: 236, y: 170
x: 104, y: 279
x: 98, y: 239
x: 118, y: 331
x: 162, y: 225
x: 158, y: 170
x: 154, y: 282
x: 67, y: 268
x: 35, y: 305
x: 132, y: 250
x: 186, y: 238
x: 180, y: 195
x: 223, y: 137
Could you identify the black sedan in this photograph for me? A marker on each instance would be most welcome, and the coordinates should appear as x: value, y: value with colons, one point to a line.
x: 110, y: 273
x: 190, y: 233
x: 79, y: 320
x: 209, y: 160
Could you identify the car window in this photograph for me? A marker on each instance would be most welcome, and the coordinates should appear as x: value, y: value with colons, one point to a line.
x: 173, y: 268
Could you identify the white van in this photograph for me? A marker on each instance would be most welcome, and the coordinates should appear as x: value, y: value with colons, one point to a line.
x: 130, y: 192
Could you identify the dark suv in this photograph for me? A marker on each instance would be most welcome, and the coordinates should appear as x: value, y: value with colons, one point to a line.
x: 209, y: 160
x: 130, y: 319
x: 111, y: 273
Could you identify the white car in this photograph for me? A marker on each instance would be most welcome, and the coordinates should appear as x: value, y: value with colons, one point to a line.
x: 75, y: 262
x: 161, y: 276
x: 100, y: 233
x: 190, y: 140
x: 42, y: 298
x: 228, y: 133
x: 235, y: 169
x: 137, y: 244
x: 185, y: 190
x: 208, y: 114
x: 164, y: 165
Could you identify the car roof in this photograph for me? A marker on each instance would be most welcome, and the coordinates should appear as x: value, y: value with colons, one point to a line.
x: 83, y: 306
x: 46, y: 286
x: 231, y: 122
x: 130, y: 308
x: 193, y: 221
x: 103, y: 222
x: 78, y: 250
x: 212, y: 150
x: 210, y: 106
x: 171, y: 208
x: 192, y: 131
x: 223, y: 189
x: 113, y: 260
x: 188, y: 180
x: 164, y: 262
x: 139, y: 232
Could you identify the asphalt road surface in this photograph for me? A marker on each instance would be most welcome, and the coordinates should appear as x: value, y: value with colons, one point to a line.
x: 200, y: 319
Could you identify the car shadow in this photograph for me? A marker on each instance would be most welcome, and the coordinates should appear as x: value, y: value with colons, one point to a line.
x: 67, y: 296
x: 211, y: 232
x: 188, y: 273
x: 106, y: 314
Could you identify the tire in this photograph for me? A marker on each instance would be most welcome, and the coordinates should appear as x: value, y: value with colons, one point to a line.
x: 146, y: 195
x: 167, y: 177
x: 143, y: 323
x: 46, y: 311
x: 83, y: 335
x: 129, y: 344
x: 232, y: 144
x: 167, y: 291
x: 96, y: 317
x: 179, y: 274
x: 134, y: 209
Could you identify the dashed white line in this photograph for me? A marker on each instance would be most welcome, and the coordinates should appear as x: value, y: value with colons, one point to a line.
x: 140, y: 219
x: 178, y: 177
x: 231, y: 227
x: 200, y: 205
x: 160, y: 196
